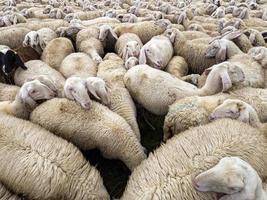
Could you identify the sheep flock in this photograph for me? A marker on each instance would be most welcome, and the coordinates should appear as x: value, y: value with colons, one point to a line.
x: 133, y: 99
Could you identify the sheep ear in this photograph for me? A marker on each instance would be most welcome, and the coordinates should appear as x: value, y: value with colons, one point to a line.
x: 26, y: 98
x: 221, y: 54
x: 142, y: 56
x: 181, y: 18
x: 243, y: 13
x: 233, y: 35
x: 113, y: 34
x: 19, y: 62
x: 15, y: 20
x: 125, y: 54
x: 226, y: 81
x: 172, y: 37
x: 46, y: 81
x: 68, y: 93
x: 259, y: 55
x: 91, y: 89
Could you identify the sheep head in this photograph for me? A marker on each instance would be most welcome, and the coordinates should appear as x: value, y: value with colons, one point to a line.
x: 226, y: 177
x: 260, y: 55
x: 228, y: 74
x: 33, y: 91
x: 132, y: 49
x: 151, y: 53
x: 131, y: 62
x: 106, y: 33
x: 75, y: 89
x: 98, y: 88
x: 173, y: 34
x: 44, y: 79
x: 47, y: 9
x: 235, y: 109
x: 31, y: 39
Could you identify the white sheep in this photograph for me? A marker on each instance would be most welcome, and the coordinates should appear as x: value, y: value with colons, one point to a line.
x: 39, y: 39
x: 37, y: 68
x: 157, y: 52
x: 128, y: 45
x: 6, y: 194
x: 99, y: 128
x: 177, y: 67
x: 27, y: 97
x: 56, y: 50
x: 29, y: 155
x: 155, y: 90
x: 112, y: 71
x: 131, y: 62
x: 168, y: 172
x: 78, y: 64
x: 233, y: 177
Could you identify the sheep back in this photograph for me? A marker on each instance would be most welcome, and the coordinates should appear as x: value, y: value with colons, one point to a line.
x: 170, y: 169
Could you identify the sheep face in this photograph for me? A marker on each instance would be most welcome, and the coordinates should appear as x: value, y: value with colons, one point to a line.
x: 75, y: 89
x: 31, y: 39
x: 33, y: 91
x: 97, y: 87
x: 234, y: 109
x: 131, y: 62
x: 225, y: 177
x: 132, y: 49
x: 151, y: 54
x: 47, y: 9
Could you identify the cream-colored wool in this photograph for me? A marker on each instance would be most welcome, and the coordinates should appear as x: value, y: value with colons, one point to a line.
x: 8, y: 92
x: 40, y: 165
x: 167, y: 173
x: 78, y: 64
x: 177, y: 67
x: 112, y: 71
x: 56, y: 50
x: 5, y: 194
x: 98, y: 128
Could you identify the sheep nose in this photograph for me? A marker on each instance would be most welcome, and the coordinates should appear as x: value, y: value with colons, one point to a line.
x: 87, y: 105
x: 211, y: 117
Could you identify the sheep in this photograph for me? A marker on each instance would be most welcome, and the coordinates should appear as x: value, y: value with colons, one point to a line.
x: 255, y: 37
x: 11, y: 19
x: 112, y: 71
x: 177, y: 67
x: 198, y: 54
x: 37, y: 68
x: 169, y: 170
x: 194, y: 111
x: 30, y: 154
x: 239, y: 110
x: 9, y: 62
x: 84, y: 15
x: 6, y: 194
x: 228, y: 177
x: 93, y: 40
x: 8, y: 92
x: 145, y: 30
x: 128, y: 45
x: 8, y: 35
x: 39, y: 39
x: 157, y: 52
x: 27, y: 97
x: 56, y: 50
x: 56, y: 13
x: 35, y: 12
x: 78, y: 64
x: 131, y: 62
x: 108, y: 125
x: 259, y: 54
x: 142, y: 79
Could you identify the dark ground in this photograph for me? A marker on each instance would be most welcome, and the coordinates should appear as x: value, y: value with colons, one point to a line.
x: 114, y: 172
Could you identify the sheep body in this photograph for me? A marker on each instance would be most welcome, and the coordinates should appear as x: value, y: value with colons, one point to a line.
x: 6, y: 194
x: 24, y: 152
x: 170, y: 169
x: 112, y: 71
x: 100, y: 128
x: 177, y: 67
x: 78, y: 64
x: 56, y: 50
x: 37, y: 67
x: 145, y: 30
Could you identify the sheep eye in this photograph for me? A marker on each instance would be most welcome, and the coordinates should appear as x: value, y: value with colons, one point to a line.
x: 33, y: 91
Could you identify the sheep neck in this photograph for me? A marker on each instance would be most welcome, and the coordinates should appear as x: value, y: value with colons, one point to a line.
x: 180, y: 43
x: 232, y: 50
x: 212, y: 86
